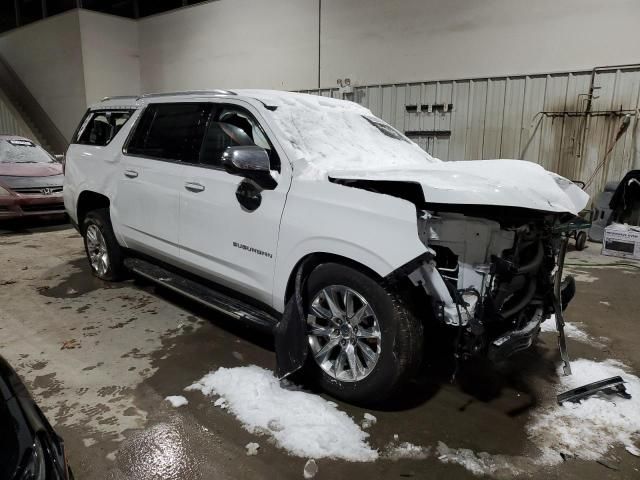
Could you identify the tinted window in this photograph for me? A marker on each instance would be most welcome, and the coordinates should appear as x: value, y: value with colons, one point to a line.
x: 233, y: 126
x: 99, y: 127
x: 172, y: 131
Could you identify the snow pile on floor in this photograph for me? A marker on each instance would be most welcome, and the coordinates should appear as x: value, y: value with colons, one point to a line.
x: 586, y: 430
x: 571, y: 330
x: 177, y: 400
x: 481, y: 463
x: 590, y: 428
x: 405, y: 450
x: 302, y: 423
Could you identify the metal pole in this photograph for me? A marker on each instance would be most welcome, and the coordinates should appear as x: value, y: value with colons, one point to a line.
x: 319, y: 38
x: 17, y: 10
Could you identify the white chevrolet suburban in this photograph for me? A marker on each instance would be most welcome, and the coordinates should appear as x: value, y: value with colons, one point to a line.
x: 312, y: 218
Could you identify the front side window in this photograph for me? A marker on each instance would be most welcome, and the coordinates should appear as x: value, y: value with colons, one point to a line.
x: 232, y: 126
x: 99, y: 127
x: 170, y: 131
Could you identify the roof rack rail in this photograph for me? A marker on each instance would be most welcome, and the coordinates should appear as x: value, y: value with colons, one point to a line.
x: 189, y: 92
x: 118, y: 97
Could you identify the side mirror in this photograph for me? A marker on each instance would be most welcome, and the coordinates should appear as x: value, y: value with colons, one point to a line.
x: 250, y: 162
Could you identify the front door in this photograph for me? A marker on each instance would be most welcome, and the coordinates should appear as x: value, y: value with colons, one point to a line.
x: 228, y: 225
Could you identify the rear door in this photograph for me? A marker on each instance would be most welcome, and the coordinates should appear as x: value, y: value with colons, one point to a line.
x: 147, y: 203
x: 228, y: 225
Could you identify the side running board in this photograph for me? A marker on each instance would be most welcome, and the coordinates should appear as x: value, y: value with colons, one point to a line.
x: 204, y: 295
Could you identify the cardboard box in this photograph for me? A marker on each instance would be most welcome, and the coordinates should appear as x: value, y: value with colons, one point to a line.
x: 621, y: 241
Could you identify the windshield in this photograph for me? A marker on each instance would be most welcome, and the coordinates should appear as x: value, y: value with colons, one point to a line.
x: 330, y: 135
x: 23, y: 151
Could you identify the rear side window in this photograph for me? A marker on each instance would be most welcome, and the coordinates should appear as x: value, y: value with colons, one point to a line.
x: 99, y: 127
x: 170, y: 131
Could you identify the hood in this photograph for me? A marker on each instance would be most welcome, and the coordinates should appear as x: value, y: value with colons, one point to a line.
x: 509, y: 183
x: 30, y: 169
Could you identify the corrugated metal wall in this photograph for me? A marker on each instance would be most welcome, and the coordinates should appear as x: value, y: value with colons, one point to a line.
x: 536, y: 117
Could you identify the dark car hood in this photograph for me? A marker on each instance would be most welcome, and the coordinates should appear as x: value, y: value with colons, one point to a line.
x: 30, y: 169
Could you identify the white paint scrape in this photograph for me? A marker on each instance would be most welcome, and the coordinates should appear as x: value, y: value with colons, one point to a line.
x: 588, y: 429
x: 177, y: 400
x: 302, y: 423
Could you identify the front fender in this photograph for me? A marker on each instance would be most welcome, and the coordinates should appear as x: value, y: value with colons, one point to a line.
x: 375, y: 230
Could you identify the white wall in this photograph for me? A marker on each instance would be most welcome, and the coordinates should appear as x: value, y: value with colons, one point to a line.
x: 47, y: 56
x: 387, y: 41
x: 231, y: 43
x: 75, y: 58
x: 110, y: 55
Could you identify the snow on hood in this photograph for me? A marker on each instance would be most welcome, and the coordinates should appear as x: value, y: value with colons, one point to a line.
x: 513, y: 183
x: 341, y: 139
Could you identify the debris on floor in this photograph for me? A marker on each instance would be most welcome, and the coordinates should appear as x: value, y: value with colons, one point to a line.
x: 633, y: 450
x: 70, y: 344
x: 252, y: 448
x: 587, y: 429
x: 220, y: 403
x: 177, y: 400
x: 368, y: 421
x: 310, y: 469
x: 307, y: 426
x: 609, y: 386
x: 406, y: 450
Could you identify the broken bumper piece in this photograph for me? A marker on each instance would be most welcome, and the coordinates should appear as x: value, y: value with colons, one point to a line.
x: 612, y: 386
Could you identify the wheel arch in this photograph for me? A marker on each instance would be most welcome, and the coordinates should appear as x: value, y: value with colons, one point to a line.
x: 87, y: 201
x: 313, y: 260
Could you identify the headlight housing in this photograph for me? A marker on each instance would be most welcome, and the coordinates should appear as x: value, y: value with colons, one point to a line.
x: 4, y: 192
x: 37, y: 467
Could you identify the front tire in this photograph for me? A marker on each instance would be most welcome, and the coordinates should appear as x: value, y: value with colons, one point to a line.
x: 364, y: 343
x: 102, y: 249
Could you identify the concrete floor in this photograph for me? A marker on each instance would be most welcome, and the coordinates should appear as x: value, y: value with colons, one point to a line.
x: 100, y: 358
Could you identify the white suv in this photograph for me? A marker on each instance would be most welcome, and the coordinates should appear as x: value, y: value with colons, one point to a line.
x: 311, y: 217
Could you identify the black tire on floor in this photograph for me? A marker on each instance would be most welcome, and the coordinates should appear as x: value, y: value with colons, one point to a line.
x: 401, y: 338
x: 101, y: 219
x: 581, y: 240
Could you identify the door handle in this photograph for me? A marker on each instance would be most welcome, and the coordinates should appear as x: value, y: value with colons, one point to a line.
x: 130, y: 173
x: 194, y: 187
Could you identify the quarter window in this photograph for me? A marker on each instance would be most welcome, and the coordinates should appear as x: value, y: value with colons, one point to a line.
x: 171, y: 131
x: 99, y: 127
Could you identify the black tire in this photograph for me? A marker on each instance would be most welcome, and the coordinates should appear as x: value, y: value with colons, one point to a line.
x: 581, y: 240
x: 116, y: 269
x: 401, y: 340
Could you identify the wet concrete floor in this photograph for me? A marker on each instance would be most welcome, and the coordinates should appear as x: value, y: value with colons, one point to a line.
x: 100, y: 358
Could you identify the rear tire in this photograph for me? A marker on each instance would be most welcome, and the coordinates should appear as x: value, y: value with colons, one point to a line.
x: 385, y: 347
x: 102, y: 249
x: 581, y: 240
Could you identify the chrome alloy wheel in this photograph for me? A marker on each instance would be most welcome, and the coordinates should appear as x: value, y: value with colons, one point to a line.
x: 97, y: 250
x: 343, y: 333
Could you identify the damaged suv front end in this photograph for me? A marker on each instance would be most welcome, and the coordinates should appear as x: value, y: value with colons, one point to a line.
x: 492, y: 278
x: 494, y: 231
x: 472, y: 249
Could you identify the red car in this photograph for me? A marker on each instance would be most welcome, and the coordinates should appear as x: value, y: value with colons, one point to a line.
x: 30, y: 179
